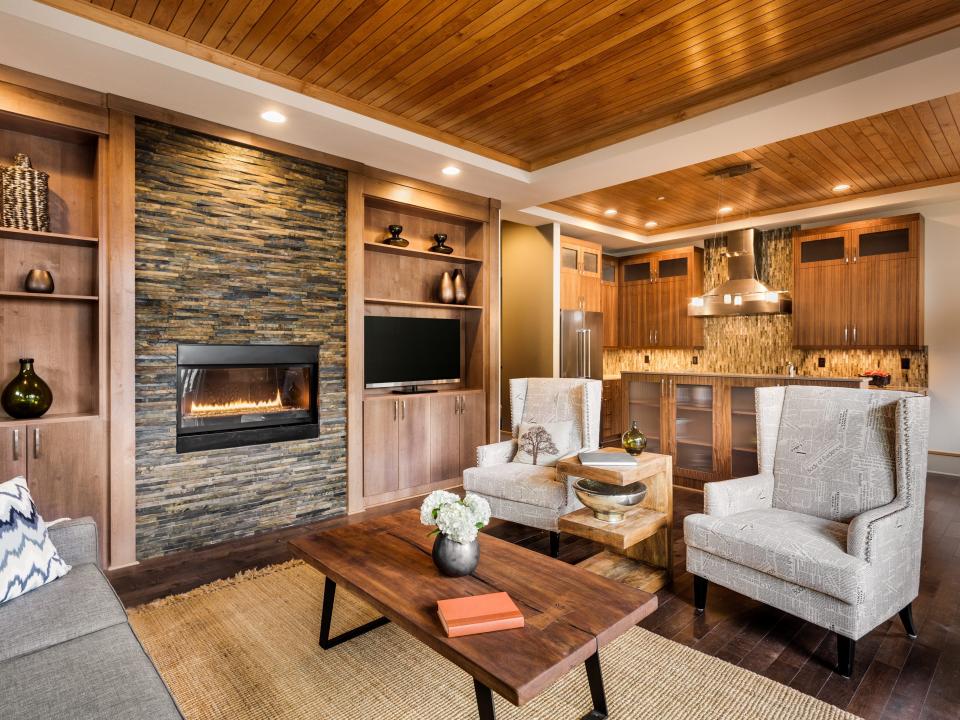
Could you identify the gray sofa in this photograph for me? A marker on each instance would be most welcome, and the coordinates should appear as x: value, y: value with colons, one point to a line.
x: 66, y: 650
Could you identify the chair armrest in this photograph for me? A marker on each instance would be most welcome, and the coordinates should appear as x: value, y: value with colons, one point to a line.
x: 728, y: 497
x: 496, y: 454
x: 75, y: 540
x: 886, y: 525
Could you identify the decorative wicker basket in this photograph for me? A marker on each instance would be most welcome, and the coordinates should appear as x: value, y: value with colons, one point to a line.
x: 24, y: 196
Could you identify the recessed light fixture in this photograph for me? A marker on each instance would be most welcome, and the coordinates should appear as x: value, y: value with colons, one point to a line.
x: 451, y: 170
x: 725, y: 210
x: 650, y: 224
x: 661, y: 197
x: 610, y: 212
x: 841, y: 187
x: 273, y: 116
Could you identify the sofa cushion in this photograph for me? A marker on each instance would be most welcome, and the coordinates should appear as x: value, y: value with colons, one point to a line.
x: 79, y: 603
x: 101, y: 676
x: 529, y: 484
x: 28, y: 558
x: 802, y: 549
x: 835, y: 451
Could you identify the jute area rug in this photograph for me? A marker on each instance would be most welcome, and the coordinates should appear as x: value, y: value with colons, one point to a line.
x: 246, y: 649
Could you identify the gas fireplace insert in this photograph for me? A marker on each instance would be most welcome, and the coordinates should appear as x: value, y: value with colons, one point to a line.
x: 233, y: 395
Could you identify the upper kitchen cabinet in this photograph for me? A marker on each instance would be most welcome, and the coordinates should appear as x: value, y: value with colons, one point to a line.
x: 860, y: 284
x: 580, y: 275
x: 610, y: 300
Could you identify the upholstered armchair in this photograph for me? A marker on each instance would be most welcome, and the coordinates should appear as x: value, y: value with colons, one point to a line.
x: 531, y: 494
x: 830, y: 530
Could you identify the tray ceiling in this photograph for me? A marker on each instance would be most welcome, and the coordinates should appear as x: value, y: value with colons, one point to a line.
x: 907, y: 148
x: 528, y: 82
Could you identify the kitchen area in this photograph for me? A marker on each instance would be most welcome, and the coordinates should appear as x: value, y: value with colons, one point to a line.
x: 687, y: 333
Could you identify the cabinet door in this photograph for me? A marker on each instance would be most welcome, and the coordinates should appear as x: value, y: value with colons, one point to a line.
x: 473, y: 419
x: 610, y: 300
x: 637, y: 271
x: 590, y: 261
x: 648, y: 331
x: 381, y: 417
x: 821, y: 290
x: 591, y: 293
x: 414, y: 443
x: 570, y: 295
x: 13, y: 452
x: 444, y: 437
x: 672, y: 322
x: 66, y: 469
x: 630, y: 305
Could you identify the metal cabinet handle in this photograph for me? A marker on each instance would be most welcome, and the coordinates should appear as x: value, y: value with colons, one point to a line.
x: 403, y: 409
x: 856, y: 257
x: 16, y: 443
x: 844, y: 334
x: 854, y: 331
x: 396, y: 409
x: 846, y: 259
x: 656, y: 337
x: 36, y: 443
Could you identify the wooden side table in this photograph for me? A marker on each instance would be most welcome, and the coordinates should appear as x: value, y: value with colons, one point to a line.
x: 640, y: 547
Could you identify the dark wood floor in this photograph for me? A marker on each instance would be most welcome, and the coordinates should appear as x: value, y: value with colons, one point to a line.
x: 894, y: 677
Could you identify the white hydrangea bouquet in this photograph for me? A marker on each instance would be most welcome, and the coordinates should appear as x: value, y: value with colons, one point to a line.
x: 459, y: 519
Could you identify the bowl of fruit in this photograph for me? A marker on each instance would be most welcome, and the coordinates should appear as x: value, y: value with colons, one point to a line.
x: 878, y: 378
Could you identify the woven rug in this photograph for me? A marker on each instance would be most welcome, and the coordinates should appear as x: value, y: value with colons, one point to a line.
x: 246, y: 649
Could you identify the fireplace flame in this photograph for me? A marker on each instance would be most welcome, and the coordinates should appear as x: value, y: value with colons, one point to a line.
x: 238, y: 407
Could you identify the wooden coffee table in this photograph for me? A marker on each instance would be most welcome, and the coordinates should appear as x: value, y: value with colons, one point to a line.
x: 570, y: 613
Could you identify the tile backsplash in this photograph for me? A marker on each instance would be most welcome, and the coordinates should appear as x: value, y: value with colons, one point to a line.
x: 764, y: 343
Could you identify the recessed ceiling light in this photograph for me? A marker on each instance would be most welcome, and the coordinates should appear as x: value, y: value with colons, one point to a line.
x: 841, y: 187
x: 661, y: 197
x: 451, y: 170
x: 273, y: 116
x: 610, y: 212
x: 650, y: 223
x: 725, y: 210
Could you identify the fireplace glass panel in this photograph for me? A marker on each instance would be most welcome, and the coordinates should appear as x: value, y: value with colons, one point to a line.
x: 232, y: 398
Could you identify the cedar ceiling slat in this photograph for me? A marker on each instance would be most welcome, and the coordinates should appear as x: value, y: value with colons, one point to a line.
x: 910, y: 147
x: 532, y: 82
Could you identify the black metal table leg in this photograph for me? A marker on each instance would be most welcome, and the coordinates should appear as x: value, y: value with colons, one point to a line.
x: 484, y: 700
x: 597, y: 694
x: 326, y: 642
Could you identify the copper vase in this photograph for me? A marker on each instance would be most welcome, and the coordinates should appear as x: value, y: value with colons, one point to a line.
x: 459, y: 287
x: 447, y: 291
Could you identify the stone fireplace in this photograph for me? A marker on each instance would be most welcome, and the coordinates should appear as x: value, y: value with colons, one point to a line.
x: 236, y: 395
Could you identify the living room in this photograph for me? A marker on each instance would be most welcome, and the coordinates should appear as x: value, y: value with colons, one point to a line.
x: 602, y: 355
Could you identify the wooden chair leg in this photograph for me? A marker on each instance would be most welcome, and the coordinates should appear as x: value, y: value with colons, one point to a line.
x: 906, y: 617
x: 699, y: 593
x: 845, y: 651
x: 554, y: 544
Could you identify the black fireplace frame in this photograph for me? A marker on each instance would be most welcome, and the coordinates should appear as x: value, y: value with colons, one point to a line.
x: 239, y: 356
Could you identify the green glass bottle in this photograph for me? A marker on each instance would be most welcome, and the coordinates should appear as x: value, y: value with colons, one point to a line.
x: 27, y: 396
x: 634, y: 441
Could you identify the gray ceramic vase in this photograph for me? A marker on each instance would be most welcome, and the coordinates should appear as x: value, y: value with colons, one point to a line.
x: 447, y: 292
x: 455, y: 559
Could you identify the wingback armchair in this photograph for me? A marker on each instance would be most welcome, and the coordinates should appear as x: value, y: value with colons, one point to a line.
x: 531, y: 494
x: 830, y: 529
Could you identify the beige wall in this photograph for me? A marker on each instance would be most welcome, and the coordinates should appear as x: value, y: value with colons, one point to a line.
x: 527, y: 324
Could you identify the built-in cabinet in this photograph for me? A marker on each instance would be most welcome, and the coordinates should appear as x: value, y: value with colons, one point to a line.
x: 580, y: 283
x: 610, y: 301
x: 654, y: 290
x: 611, y: 417
x: 707, y: 423
x: 859, y: 284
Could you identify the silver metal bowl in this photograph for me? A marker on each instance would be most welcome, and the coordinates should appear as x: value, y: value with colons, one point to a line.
x: 609, y: 502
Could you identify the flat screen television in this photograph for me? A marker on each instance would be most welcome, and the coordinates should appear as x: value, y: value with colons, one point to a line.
x: 406, y: 352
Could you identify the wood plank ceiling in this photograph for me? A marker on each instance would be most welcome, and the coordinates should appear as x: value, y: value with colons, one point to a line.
x: 529, y: 82
x: 914, y: 146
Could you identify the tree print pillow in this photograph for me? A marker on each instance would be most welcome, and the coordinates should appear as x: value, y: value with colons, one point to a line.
x: 543, y: 443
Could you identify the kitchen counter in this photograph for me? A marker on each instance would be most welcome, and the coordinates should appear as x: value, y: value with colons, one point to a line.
x: 748, y: 376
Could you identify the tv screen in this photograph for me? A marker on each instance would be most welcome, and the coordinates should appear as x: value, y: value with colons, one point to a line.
x: 410, y: 351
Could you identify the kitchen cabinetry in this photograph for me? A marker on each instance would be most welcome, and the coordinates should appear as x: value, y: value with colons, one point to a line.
x: 610, y: 302
x: 860, y: 284
x: 654, y: 292
x: 580, y: 275
x: 416, y: 442
x: 64, y: 464
x: 611, y: 418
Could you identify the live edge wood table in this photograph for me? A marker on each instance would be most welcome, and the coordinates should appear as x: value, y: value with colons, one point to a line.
x: 639, y: 547
x: 570, y: 614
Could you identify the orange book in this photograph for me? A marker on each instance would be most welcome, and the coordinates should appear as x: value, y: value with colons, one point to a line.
x: 479, y: 614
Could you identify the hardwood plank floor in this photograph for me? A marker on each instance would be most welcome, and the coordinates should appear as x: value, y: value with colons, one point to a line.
x: 893, y: 677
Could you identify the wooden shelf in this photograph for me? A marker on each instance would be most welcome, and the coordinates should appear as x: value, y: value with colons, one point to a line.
x: 695, y: 443
x: 419, y: 304
x: 750, y: 413
x: 752, y: 451
x: 646, y: 403
x: 638, y: 524
x: 697, y: 408
x: 626, y: 570
x: 19, y: 295
x: 48, y: 419
x: 47, y: 237
x: 422, y: 254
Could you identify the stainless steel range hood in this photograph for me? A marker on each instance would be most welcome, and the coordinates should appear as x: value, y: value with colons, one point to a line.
x: 742, y: 294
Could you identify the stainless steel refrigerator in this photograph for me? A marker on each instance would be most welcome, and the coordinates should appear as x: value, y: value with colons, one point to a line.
x: 581, y: 344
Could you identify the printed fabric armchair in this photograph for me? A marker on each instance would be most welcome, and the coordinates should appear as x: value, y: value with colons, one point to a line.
x: 550, y: 418
x: 830, y: 530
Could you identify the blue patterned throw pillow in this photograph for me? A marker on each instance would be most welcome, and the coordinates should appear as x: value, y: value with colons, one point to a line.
x: 28, y: 558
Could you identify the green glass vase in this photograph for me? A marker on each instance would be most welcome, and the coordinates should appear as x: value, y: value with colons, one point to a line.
x: 27, y: 396
x: 634, y: 441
